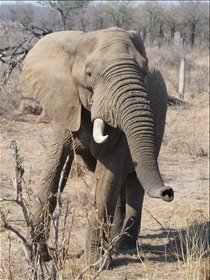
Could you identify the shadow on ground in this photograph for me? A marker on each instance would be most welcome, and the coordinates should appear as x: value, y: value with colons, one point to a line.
x: 171, y: 245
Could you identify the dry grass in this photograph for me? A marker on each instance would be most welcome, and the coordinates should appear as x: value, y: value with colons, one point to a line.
x: 192, y: 250
x: 189, y: 138
x: 197, y: 69
x: 173, y: 243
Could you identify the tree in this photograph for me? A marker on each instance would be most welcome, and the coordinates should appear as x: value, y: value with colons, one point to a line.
x: 119, y: 13
x: 171, y: 19
x: 96, y: 16
x: 65, y: 8
x: 195, y: 17
x: 153, y: 16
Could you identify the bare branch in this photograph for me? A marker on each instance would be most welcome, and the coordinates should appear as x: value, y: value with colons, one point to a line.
x: 5, y: 225
x: 13, y: 55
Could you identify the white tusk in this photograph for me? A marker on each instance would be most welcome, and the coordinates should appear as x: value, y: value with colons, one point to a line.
x: 98, y: 130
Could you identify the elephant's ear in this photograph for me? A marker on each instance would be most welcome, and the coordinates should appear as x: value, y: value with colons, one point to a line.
x: 47, y: 78
x: 158, y: 94
x: 157, y: 89
x: 139, y: 45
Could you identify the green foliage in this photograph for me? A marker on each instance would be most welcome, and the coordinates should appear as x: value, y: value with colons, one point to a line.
x: 4, y: 214
x: 57, y: 195
x: 17, y: 159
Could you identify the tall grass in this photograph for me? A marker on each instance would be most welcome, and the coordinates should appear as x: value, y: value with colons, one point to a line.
x: 192, y: 250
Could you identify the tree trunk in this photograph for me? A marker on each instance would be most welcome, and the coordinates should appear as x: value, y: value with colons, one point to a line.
x: 63, y: 19
x: 173, y: 30
x: 192, y: 35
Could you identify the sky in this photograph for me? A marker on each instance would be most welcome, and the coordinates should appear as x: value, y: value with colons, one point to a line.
x: 21, y: 1
x: 35, y: 1
x: 14, y: 2
x: 32, y: 1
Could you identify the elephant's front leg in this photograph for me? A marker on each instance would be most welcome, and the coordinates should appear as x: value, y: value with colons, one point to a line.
x: 119, y: 215
x: 108, y: 184
x: 58, y: 151
x: 134, y: 194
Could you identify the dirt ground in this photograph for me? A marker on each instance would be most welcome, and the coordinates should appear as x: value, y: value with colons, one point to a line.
x: 166, y: 227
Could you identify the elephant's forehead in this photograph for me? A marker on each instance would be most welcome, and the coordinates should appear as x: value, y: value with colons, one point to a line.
x: 118, y: 43
x: 107, y: 37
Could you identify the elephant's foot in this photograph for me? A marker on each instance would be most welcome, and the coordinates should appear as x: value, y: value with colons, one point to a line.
x: 126, y: 244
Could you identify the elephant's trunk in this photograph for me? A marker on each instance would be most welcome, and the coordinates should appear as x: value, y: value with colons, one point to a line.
x: 139, y: 130
x: 138, y: 123
x: 132, y: 112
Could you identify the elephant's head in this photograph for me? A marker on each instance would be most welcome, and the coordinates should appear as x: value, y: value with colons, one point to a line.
x: 104, y: 71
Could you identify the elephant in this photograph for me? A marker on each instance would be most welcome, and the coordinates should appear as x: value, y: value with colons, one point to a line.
x: 108, y: 107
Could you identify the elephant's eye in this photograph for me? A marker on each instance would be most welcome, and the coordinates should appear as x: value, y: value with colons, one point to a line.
x: 88, y: 72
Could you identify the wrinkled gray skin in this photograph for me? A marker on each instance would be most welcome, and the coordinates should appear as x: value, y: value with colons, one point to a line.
x: 79, y: 77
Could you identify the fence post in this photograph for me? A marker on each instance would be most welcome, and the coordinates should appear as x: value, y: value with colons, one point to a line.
x: 182, y: 78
